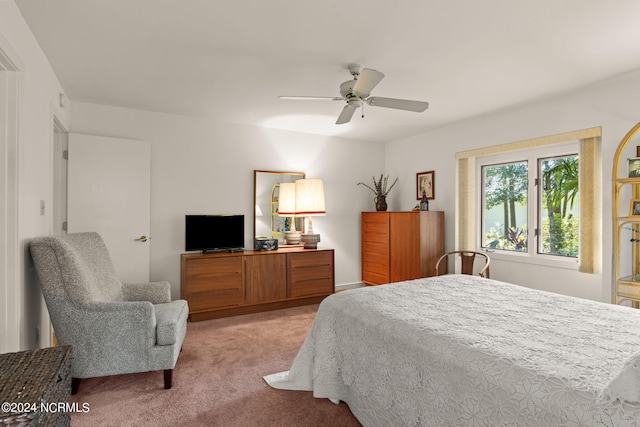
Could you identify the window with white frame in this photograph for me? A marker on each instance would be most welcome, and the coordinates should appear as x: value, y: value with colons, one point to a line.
x: 587, y: 205
x: 529, y: 202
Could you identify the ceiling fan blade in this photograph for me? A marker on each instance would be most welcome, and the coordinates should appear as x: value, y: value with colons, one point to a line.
x: 367, y: 80
x: 345, y: 116
x: 398, y: 104
x: 311, y: 98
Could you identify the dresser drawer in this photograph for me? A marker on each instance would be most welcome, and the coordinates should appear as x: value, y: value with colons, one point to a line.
x: 375, y: 229
x: 310, y: 273
x: 214, y: 283
x: 376, y: 251
x: 372, y: 277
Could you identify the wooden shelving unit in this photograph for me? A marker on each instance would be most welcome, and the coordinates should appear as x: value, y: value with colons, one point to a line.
x: 626, y: 226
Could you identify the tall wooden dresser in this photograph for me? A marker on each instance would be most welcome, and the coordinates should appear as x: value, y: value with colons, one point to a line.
x: 400, y: 246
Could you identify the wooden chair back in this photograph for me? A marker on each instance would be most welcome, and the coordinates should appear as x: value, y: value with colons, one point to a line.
x: 467, y: 259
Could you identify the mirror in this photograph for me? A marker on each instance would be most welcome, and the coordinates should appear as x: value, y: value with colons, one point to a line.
x: 266, y: 222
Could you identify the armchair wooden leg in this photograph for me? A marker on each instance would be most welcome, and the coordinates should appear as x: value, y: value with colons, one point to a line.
x: 168, y: 378
x: 75, y: 385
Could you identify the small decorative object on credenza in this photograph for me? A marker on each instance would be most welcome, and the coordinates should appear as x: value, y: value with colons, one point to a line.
x: 266, y: 244
x: 380, y: 190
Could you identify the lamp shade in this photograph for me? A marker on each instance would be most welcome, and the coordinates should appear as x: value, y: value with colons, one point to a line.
x: 310, y: 197
x: 287, y: 199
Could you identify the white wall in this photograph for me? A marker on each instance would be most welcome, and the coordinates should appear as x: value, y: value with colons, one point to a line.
x: 39, y: 102
x: 203, y: 166
x: 614, y: 105
x: 200, y: 165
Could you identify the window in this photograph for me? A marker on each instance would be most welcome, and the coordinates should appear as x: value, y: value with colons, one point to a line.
x: 469, y: 214
x: 505, y: 206
x: 529, y: 203
x: 558, y: 205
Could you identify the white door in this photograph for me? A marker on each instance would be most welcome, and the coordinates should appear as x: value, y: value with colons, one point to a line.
x: 109, y: 192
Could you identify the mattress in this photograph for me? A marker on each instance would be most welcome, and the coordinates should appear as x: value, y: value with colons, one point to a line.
x: 463, y: 350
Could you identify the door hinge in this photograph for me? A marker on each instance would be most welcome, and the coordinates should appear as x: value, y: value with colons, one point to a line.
x: 64, y: 226
x: 536, y: 182
x: 536, y: 232
x: 65, y: 154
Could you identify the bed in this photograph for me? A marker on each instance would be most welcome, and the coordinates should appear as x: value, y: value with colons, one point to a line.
x: 463, y: 350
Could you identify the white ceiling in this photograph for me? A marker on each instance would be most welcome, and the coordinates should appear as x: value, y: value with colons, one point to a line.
x: 229, y: 60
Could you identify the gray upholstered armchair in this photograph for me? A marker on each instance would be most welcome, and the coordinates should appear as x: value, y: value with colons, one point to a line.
x: 113, y: 327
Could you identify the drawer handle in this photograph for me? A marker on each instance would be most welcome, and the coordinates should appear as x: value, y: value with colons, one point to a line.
x: 311, y: 266
x: 312, y: 279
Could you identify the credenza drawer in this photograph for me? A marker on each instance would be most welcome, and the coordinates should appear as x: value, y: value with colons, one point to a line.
x: 214, y: 283
x: 310, y: 274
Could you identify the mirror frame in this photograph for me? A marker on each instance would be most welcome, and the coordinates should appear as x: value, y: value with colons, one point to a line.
x: 297, y: 175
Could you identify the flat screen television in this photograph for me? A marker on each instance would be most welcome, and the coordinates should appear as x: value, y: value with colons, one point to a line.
x: 214, y: 233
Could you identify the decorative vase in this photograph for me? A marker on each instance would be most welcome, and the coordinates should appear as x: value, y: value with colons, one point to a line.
x: 381, y: 203
x: 292, y: 237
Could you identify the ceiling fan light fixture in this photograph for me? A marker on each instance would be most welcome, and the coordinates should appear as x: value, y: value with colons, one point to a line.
x: 354, y: 101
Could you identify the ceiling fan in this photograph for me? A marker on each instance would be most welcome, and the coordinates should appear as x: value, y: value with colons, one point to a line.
x: 357, y: 91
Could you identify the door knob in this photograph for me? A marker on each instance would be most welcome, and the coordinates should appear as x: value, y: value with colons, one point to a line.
x: 142, y: 239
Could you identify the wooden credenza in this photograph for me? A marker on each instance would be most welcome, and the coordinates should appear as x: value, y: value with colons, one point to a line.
x: 228, y: 284
x: 400, y: 246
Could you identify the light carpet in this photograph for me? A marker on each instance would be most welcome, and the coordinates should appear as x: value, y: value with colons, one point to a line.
x: 218, y: 380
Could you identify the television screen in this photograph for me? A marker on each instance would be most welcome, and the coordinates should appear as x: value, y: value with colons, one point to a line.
x: 214, y: 232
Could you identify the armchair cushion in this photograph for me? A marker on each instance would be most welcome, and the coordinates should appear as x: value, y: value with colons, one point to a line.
x: 169, y: 318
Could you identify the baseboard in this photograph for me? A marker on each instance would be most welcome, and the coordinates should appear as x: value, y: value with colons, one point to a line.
x: 254, y: 308
x: 345, y: 286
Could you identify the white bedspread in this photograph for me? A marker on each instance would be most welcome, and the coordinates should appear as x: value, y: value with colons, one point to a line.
x: 461, y: 350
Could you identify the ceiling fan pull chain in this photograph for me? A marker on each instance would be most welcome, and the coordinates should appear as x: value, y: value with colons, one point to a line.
x: 363, y: 110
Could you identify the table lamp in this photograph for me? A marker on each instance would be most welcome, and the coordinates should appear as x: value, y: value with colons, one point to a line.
x: 287, y: 208
x: 310, y: 203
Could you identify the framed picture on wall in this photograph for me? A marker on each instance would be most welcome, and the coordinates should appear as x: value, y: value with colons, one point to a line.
x: 634, y: 207
x: 425, y: 181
